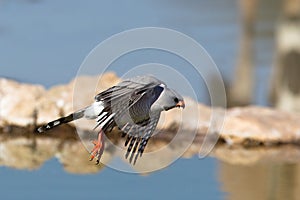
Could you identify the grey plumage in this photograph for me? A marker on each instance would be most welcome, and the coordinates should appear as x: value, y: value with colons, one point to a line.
x: 134, y: 106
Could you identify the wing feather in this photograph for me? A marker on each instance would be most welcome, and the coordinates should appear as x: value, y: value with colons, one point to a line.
x: 130, y: 103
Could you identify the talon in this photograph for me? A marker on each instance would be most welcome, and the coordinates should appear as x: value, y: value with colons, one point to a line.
x: 92, y: 157
x: 98, y: 149
x: 95, y: 142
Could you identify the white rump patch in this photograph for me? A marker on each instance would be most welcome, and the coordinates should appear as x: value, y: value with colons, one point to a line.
x: 94, y: 110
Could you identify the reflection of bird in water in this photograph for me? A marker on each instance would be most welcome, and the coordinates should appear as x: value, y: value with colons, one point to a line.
x: 134, y: 106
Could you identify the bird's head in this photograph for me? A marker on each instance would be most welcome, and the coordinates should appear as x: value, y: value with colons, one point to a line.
x: 167, y: 100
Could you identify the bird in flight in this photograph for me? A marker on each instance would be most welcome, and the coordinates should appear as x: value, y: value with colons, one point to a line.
x: 134, y: 106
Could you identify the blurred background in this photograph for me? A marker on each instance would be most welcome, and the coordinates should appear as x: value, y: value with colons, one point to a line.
x: 254, y: 43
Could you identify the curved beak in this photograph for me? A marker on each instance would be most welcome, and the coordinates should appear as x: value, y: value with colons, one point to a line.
x: 180, y: 104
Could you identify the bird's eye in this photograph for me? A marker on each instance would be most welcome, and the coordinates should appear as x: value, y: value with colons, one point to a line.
x: 176, y: 100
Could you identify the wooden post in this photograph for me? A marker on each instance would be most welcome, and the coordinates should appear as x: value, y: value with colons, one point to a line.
x: 242, y: 88
x: 285, y: 92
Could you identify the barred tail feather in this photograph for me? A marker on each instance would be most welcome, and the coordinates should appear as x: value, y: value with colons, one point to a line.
x: 76, y: 115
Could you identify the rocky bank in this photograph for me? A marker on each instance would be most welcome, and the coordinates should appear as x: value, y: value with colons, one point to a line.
x: 28, y: 105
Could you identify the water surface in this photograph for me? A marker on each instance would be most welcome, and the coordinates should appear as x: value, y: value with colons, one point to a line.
x: 45, y: 42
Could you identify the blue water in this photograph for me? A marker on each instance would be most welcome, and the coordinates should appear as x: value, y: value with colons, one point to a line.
x: 45, y: 42
x: 185, y: 179
x: 51, y: 38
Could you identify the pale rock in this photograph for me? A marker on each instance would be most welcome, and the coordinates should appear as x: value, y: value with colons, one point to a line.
x: 260, y: 124
x: 47, y: 110
x: 18, y: 102
x: 62, y: 100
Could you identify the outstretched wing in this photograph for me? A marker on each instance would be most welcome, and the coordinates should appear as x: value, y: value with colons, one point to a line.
x: 138, y: 137
x: 119, y: 99
x: 127, y: 106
